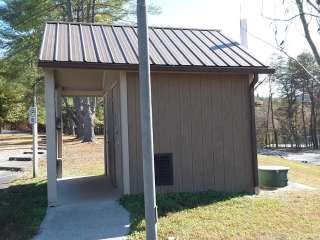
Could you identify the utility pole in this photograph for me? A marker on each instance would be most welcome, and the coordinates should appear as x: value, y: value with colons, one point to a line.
x: 33, y: 115
x: 146, y: 123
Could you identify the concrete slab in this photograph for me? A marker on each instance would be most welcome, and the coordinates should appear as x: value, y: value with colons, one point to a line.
x: 87, y: 210
x: 85, y: 189
x: 292, y: 186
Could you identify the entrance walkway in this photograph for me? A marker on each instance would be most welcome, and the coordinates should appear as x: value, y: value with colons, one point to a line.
x: 88, y: 210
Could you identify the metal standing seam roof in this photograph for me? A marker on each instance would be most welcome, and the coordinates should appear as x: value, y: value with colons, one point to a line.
x: 116, y: 47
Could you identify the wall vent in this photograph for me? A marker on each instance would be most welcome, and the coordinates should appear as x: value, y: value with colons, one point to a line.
x: 163, y: 169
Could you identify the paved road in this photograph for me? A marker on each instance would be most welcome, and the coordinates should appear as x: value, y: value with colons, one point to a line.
x: 310, y: 156
x: 7, y: 176
x: 11, y: 170
x: 305, y: 156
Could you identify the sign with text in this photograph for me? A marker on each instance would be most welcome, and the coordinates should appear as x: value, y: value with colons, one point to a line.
x: 32, y: 115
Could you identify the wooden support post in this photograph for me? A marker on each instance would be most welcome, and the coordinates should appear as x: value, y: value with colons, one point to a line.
x: 106, y: 152
x: 105, y: 133
x: 51, y: 138
x: 59, y: 129
x: 124, y: 133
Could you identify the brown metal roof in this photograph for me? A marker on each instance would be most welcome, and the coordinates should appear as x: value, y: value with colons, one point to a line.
x: 116, y: 47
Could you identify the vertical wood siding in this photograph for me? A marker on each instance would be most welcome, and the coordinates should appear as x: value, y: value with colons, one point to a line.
x: 204, y: 120
x: 114, y: 136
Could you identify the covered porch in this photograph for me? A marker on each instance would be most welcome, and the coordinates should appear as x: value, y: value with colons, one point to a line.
x: 61, y: 82
x: 76, y: 190
x: 88, y: 209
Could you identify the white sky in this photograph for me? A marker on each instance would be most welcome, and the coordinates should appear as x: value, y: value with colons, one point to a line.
x: 225, y: 15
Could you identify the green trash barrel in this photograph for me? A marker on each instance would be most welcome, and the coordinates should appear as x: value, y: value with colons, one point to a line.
x: 273, y: 176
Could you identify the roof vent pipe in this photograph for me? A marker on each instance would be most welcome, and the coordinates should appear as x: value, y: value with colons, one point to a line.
x: 243, y: 33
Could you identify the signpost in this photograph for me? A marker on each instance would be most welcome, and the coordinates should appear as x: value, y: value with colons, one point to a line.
x: 146, y: 123
x: 33, y: 112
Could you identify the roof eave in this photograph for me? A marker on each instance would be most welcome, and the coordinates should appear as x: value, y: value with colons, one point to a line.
x: 171, y: 68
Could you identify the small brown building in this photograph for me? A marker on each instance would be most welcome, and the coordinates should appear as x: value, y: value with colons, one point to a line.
x: 202, y: 99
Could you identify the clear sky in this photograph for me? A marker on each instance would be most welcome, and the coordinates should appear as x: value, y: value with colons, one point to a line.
x: 225, y: 15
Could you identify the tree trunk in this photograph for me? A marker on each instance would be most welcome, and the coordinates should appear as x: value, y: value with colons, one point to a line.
x: 69, y: 127
x: 78, y: 11
x: 77, y: 101
x: 303, y: 119
x: 82, y: 10
x: 69, y: 119
x: 88, y: 11
x: 296, y: 135
x: 93, y: 11
x: 267, y: 124
x: 313, y: 123
x: 88, y: 119
x: 307, y: 32
x: 290, y: 120
x: 69, y: 10
x: 275, y: 132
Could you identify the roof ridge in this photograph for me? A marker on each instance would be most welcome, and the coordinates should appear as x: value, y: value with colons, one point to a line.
x: 134, y: 25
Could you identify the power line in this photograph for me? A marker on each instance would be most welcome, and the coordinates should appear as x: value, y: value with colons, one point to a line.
x: 284, y: 52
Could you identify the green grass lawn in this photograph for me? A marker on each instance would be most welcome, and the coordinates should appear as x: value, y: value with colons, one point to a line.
x: 22, y: 208
x: 209, y: 215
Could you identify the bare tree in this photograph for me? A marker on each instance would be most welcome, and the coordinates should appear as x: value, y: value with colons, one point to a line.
x: 313, y: 13
x: 306, y: 27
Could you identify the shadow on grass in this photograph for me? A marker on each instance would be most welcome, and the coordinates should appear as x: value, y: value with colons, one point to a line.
x: 22, y: 209
x: 170, y: 203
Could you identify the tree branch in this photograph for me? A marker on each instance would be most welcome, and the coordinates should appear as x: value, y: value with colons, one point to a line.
x: 313, y: 6
x: 307, y: 32
x: 290, y: 18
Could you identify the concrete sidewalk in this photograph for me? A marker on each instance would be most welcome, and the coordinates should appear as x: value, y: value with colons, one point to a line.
x: 88, y: 210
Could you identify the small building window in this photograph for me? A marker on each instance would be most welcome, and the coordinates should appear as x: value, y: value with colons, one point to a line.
x: 163, y: 169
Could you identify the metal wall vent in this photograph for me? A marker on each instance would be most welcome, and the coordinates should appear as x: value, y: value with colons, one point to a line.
x: 163, y: 169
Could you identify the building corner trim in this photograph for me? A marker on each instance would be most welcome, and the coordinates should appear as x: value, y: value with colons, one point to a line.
x: 254, y: 159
